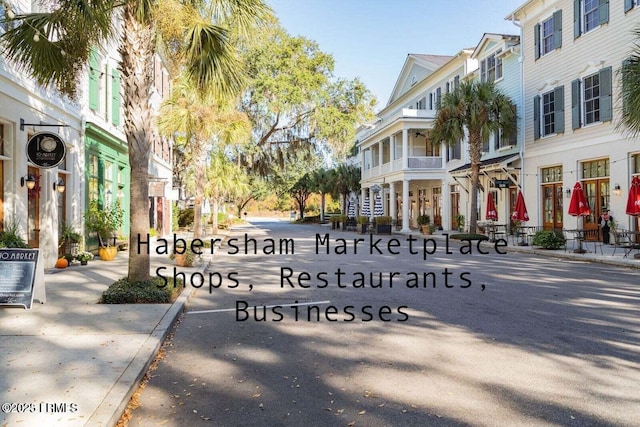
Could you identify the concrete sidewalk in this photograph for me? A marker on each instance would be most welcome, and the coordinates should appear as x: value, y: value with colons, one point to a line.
x: 72, y: 362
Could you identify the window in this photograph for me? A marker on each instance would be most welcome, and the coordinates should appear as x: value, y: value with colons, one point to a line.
x: 591, y: 99
x: 548, y: 113
x: 491, y: 67
x: 94, y: 190
x: 454, y: 152
x: 548, y: 35
x: 589, y: 15
x: 435, y: 97
x: 422, y: 104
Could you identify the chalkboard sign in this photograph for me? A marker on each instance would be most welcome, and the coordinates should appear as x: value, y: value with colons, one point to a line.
x: 17, y: 276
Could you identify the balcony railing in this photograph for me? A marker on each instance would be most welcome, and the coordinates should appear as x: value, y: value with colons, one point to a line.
x: 397, y: 115
x: 415, y: 163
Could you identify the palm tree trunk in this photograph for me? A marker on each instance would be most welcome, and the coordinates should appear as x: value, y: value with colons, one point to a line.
x: 475, y: 153
x: 137, y: 53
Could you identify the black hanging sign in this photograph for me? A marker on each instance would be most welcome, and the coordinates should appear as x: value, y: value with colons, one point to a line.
x: 46, y: 149
x: 17, y: 276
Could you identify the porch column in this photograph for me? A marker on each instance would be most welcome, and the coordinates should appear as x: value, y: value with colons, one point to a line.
x: 406, y: 203
x: 446, y: 206
x: 380, y: 148
x: 392, y: 201
x: 405, y: 149
x: 392, y: 147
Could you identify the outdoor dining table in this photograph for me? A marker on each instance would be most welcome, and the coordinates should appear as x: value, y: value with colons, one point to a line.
x: 579, y: 236
x: 494, y: 229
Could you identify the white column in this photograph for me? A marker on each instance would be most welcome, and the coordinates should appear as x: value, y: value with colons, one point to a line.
x: 446, y: 206
x: 392, y: 147
x: 406, y: 203
x: 380, y: 148
x: 405, y: 149
x: 392, y: 200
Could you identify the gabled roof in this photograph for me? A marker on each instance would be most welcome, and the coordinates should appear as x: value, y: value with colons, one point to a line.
x: 416, y: 67
x: 489, y: 40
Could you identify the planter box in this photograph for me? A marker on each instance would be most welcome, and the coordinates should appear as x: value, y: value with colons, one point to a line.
x: 383, y: 228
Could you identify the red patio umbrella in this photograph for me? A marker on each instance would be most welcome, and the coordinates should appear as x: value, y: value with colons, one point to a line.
x: 578, y: 205
x: 492, y: 213
x: 520, y: 211
x: 633, y: 202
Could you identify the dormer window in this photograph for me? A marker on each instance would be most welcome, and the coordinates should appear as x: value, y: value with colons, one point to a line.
x: 491, y: 67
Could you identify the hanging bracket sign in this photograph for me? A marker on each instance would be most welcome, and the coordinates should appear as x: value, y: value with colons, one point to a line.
x: 46, y: 149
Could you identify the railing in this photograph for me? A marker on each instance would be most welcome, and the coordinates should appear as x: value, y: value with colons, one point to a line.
x: 401, y: 113
x: 415, y: 162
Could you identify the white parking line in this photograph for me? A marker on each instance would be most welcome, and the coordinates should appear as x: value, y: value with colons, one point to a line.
x: 220, y: 310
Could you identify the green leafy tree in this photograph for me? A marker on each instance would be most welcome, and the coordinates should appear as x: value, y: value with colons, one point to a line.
x: 295, y: 104
x: 301, y: 191
x: 345, y: 180
x: 54, y: 48
x: 224, y: 179
x: 479, y: 109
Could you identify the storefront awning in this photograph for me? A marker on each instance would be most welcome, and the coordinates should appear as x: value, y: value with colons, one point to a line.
x: 495, y: 162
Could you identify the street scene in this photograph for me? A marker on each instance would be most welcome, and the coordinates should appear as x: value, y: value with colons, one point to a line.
x: 319, y: 213
x: 549, y: 341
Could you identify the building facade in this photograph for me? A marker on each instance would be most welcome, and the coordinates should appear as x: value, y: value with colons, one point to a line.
x: 572, y: 51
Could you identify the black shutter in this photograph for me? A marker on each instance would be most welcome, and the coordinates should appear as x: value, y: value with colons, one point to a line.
x: 536, y: 117
x: 577, y: 19
x: 558, y: 101
x: 606, y: 113
x: 603, y: 10
x: 536, y: 38
x: 557, y: 29
x: 575, y: 104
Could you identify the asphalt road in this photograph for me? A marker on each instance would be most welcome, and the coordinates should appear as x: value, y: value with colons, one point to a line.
x: 385, y: 337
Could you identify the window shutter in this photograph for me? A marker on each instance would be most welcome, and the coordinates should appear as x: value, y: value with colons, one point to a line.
x: 575, y: 104
x: 603, y: 10
x: 576, y: 19
x: 536, y: 40
x: 438, y: 100
x: 456, y: 82
x: 431, y: 101
x: 628, y: 5
x: 557, y: 29
x: 536, y: 117
x: 558, y: 100
x: 605, y: 95
x: 94, y: 83
x: 115, y: 97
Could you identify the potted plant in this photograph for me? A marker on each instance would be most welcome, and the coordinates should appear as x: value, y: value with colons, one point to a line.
x: 84, y: 257
x: 342, y: 222
x: 459, y: 222
x: 68, y: 240
x: 184, y: 257
x: 104, y: 222
x: 362, y: 222
x: 431, y: 228
x: 423, y: 222
x: 10, y: 237
x: 383, y: 224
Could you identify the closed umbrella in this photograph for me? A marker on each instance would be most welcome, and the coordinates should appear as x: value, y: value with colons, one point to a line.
x: 377, y: 206
x: 351, y: 209
x: 579, y: 207
x: 492, y: 213
x: 633, y: 201
x: 520, y: 210
x: 366, y: 210
x: 520, y: 214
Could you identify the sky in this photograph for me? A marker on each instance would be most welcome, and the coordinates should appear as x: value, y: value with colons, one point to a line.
x: 371, y: 39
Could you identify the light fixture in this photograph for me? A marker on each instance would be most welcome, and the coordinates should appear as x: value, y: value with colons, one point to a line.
x: 616, y: 190
x: 568, y: 191
x: 59, y: 186
x: 29, y: 181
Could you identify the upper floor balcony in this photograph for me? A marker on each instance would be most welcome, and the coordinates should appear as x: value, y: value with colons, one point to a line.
x: 414, y: 163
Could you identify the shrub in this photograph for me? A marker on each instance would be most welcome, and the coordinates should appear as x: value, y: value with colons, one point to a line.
x: 548, y: 239
x: 424, y: 220
x: 152, y: 291
x: 362, y: 220
x: 383, y: 220
x: 185, y: 217
x: 11, y: 238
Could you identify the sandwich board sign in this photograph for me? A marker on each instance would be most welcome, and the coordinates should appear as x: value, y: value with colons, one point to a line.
x: 18, y: 274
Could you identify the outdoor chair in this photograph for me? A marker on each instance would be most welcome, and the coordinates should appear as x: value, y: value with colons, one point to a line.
x: 570, y: 238
x: 592, y: 236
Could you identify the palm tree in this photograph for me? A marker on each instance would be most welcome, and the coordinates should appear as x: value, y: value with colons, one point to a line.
x: 54, y: 48
x: 197, y: 122
x: 224, y: 178
x: 630, y: 78
x: 477, y: 109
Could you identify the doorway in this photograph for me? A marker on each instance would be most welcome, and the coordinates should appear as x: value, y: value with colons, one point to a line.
x: 33, y: 210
